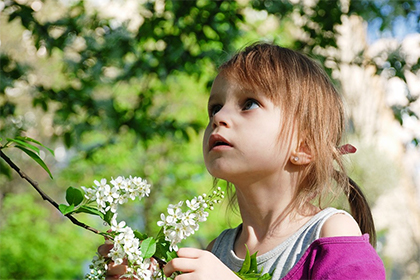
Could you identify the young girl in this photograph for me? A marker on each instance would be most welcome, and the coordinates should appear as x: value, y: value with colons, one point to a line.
x: 274, y: 134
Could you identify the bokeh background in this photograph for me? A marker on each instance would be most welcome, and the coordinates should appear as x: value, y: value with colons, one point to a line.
x: 119, y: 87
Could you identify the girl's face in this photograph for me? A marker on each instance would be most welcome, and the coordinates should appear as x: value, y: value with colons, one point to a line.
x: 241, y: 141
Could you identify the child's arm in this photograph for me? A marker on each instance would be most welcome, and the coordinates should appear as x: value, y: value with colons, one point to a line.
x: 340, y: 225
x: 198, y: 264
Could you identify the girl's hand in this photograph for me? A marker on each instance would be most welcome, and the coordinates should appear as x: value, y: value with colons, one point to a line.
x: 198, y: 264
x: 113, y: 271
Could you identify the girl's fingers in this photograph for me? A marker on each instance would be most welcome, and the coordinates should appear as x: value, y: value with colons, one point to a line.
x: 104, y: 249
x: 116, y: 270
x: 191, y: 253
x: 179, y: 264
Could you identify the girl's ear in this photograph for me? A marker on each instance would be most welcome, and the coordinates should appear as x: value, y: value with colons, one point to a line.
x: 302, y: 155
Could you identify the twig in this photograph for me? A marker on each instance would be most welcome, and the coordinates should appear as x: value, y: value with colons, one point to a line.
x: 44, y: 195
x: 55, y: 204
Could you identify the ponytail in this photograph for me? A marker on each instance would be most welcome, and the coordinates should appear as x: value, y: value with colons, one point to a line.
x: 359, y: 207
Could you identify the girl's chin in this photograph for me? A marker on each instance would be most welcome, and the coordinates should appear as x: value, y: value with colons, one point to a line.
x: 222, y: 176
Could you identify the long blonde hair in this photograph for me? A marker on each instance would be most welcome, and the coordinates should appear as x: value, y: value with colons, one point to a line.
x: 309, y: 101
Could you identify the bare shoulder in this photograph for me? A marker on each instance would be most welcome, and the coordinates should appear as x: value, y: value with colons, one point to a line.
x: 210, y: 246
x: 340, y: 225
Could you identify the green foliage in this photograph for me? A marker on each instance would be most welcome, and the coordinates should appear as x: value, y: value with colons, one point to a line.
x: 24, y: 144
x: 249, y: 269
x: 148, y: 247
x: 183, y: 37
x: 162, y: 248
x: 36, y: 244
x: 74, y: 197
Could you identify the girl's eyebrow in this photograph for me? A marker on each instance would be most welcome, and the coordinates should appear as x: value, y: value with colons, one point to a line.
x: 212, y: 97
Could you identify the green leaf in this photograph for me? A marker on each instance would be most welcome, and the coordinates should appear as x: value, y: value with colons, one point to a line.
x: 246, y: 264
x: 28, y: 139
x: 66, y: 209
x: 162, y: 248
x: 170, y: 255
x: 253, y: 266
x: 249, y: 269
x: 23, y: 143
x: 35, y: 157
x: 148, y: 247
x: 89, y: 210
x: 107, y: 217
x: 140, y: 235
x: 74, y: 196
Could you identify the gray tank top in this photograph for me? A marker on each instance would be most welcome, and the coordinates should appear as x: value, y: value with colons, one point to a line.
x: 283, y: 257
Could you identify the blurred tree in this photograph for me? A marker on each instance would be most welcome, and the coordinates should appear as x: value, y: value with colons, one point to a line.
x: 99, y: 55
x: 38, y: 253
x: 317, y: 35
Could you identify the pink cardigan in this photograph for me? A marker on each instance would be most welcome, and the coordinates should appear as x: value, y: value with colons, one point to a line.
x: 339, y: 258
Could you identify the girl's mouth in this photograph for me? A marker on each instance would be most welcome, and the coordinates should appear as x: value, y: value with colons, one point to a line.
x: 217, y: 140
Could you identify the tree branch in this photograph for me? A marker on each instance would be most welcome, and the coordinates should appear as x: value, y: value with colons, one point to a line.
x: 43, y: 194
x: 55, y: 204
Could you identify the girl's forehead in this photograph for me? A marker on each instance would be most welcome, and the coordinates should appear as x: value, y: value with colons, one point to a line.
x: 223, y: 85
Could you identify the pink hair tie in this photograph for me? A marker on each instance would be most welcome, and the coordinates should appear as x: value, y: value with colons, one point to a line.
x: 347, y: 149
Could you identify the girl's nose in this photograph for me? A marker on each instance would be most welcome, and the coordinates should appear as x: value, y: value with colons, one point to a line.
x: 221, y: 118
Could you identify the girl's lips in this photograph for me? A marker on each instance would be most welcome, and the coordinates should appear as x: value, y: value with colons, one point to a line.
x: 217, y: 140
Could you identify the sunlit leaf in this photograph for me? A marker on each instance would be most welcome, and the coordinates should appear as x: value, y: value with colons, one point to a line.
x: 246, y: 264
x: 23, y: 143
x: 28, y: 139
x: 148, y: 247
x: 66, y: 209
x: 249, y: 269
x: 35, y: 157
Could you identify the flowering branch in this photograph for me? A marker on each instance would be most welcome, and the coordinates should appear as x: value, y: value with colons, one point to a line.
x: 44, y: 196
x: 145, y: 255
x: 137, y: 248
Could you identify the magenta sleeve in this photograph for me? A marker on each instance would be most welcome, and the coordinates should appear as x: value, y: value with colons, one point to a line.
x: 344, y: 257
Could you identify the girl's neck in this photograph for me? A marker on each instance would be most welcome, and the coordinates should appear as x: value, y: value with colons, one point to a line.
x: 268, y: 216
x: 265, y: 203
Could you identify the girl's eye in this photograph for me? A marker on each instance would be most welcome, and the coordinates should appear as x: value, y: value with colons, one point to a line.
x: 250, y: 104
x: 214, y: 109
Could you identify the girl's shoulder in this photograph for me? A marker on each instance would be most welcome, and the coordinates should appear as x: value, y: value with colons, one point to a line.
x: 340, y: 224
x: 341, y: 257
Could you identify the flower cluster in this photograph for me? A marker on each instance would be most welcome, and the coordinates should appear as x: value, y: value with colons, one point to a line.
x: 108, y: 198
x: 98, y: 268
x: 126, y: 247
x: 178, y: 225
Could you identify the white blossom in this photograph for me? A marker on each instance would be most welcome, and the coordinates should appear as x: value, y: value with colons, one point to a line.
x: 178, y: 225
x: 109, y: 197
x: 115, y: 226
